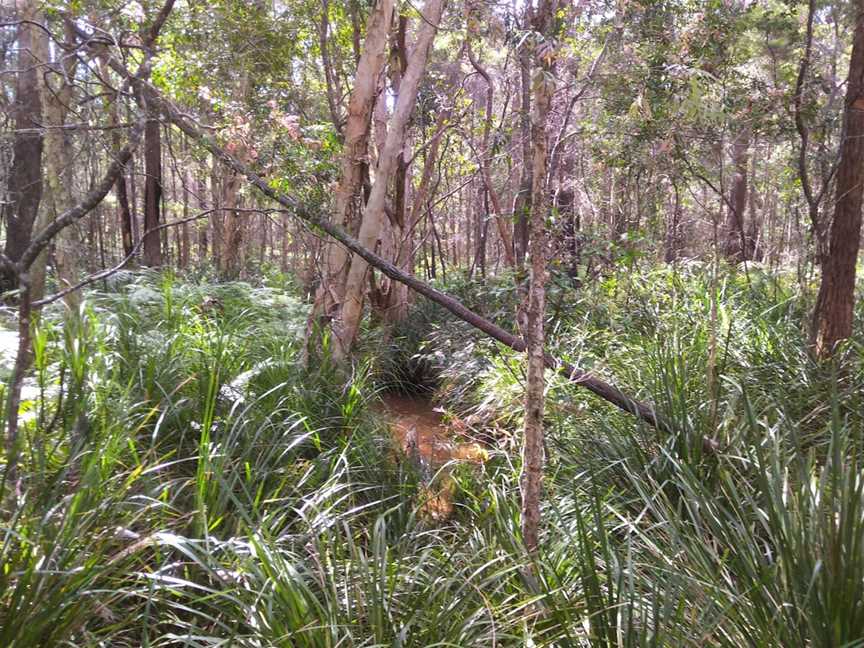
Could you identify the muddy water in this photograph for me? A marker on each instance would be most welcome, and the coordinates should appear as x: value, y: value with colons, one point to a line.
x: 420, y: 431
x: 431, y: 444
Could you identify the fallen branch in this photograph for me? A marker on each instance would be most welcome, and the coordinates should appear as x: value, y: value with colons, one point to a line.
x: 604, y: 390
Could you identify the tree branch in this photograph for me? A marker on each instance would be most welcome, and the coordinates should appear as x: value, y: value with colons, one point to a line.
x: 604, y: 390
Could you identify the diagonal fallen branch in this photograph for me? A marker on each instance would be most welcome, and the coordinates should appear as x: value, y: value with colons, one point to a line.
x: 604, y: 390
x: 599, y: 387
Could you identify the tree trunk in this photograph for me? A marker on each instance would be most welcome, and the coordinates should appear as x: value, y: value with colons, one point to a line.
x: 185, y: 239
x: 736, y: 247
x: 401, y: 238
x: 59, y: 178
x: 486, y: 157
x: 832, y: 319
x: 24, y: 185
x: 331, y: 77
x: 124, y: 214
x: 522, y: 202
x: 152, y: 193
x: 532, y: 450
x: 373, y: 214
x: 232, y: 225
x: 674, y: 235
x: 330, y: 294
x: 214, y: 223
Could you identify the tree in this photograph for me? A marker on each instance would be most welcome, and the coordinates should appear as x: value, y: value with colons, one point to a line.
x: 535, y: 341
x: 124, y: 212
x: 354, y: 164
x: 832, y: 318
x: 25, y: 177
x: 152, y: 193
x: 737, y: 246
x: 522, y: 201
x: 58, y: 92
x: 374, y: 217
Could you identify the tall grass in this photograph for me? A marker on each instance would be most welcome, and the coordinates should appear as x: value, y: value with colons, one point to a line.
x: 186, y: 483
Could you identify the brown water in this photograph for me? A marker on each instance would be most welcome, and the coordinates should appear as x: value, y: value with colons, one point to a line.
x: 421, y: 432
x: 430, y: 442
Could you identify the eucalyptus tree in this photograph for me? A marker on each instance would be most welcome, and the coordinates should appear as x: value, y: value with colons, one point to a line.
x: 24, y: 183
x: 832, y: 318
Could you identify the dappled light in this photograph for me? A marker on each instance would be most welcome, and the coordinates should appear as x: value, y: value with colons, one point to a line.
x: 431, y: 324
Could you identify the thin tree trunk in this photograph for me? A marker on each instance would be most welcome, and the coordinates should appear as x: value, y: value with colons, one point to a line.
x: 214, y: 224
x: 736, y: 248
x: 334, y: 91
x: 814, y: 198
x: 58, y: 177
x: 485, y: 161
x: 522, y: 202
x: 185, y: 240
x: 531, y: 480
x: 123, y: 212
x: 233, y: 221
x: 152, y: 193
x: 201, y: 229
x: 232, y: 225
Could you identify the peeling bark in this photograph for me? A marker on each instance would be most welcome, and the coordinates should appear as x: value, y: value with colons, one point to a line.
x: 330, y: 294
x: 374, y: 212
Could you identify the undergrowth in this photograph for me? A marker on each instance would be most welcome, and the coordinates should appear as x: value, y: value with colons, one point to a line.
x: 185, y: 482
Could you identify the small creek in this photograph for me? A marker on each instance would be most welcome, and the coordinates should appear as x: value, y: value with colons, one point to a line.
x: 431, y: 444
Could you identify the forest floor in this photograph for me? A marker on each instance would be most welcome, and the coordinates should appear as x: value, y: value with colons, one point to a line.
x: 186, y: 481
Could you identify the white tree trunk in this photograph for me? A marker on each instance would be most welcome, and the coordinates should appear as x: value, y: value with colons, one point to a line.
x: 373, y: 215
x: 330, y: 294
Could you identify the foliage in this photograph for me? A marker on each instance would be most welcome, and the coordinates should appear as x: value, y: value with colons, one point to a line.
x: 202, y: 489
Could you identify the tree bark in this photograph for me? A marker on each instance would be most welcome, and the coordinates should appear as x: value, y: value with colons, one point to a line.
x: 531, y: 480
x: 814, y: 199
x: 736, y: 248
x: 232, y: 224
x: 185, y: 238
x: 214, y: 223
x: 58, y: 177
x: 124, y: 213
x: 330, y: 293
x: 832, y: 319
x: 24, y: 186
x: 522, y: 202
x: 401, y: 231
x: 374, y: 212
x: 331, y: 78
x: 152, y: 193
x: 486, y: 158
